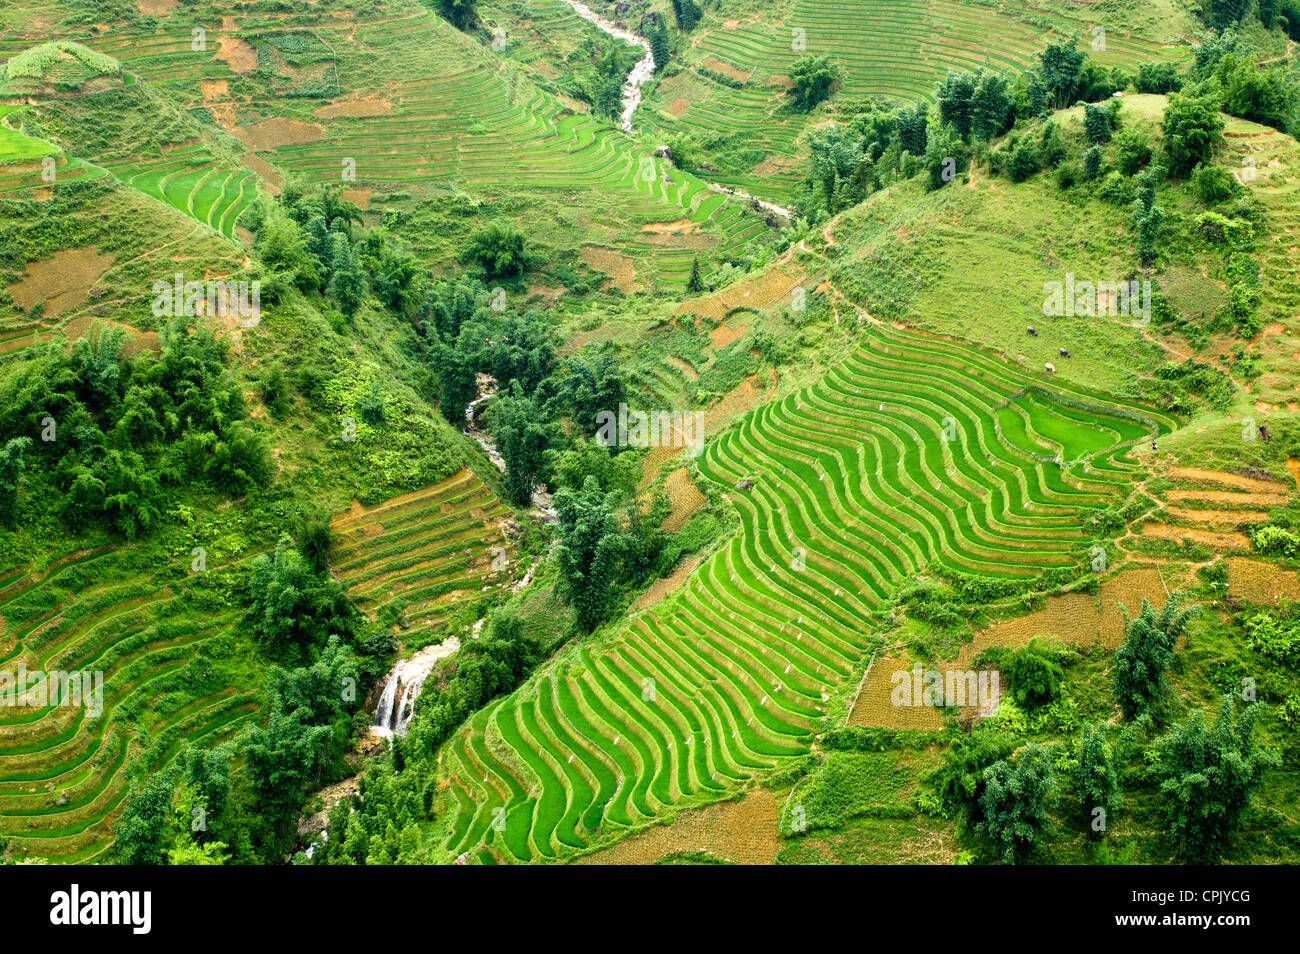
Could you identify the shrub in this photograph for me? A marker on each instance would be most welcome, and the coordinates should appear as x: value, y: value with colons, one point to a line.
x: 1132, y: 151
x: 1023, y: 163
x: 1213, y: 184
x: 1117, y: 189
x: 1278, y: 639
x: 1276, y: 541
x: 1158, y: 78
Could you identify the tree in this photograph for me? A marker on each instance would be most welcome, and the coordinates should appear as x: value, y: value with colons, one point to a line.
x: 316, y: 540
x: 1192, y: 128
x: 959, y: 780
x: 687, y: 13
x: 497, y: 249
x: 304, y: 737
x: 1094, y: 777
x: 1209, y: 777
x: 1023, y: 162
x: 955, y: 94
x: 1132, y: 150
x: 1148, y: 648
x: 991, y: 108
x: 11, y: 469
x: 657, y: 32
x: 1290, y: 19
x: 591, y: 385
x: 1092, y: 162
x: 459, y: 13
x: 140, y: 830
x: 1058, y: 72
x: 912, y: 123
x: 695, y: 284
x: 1263, y: 95
x: 523, y: 436
x: 1014, y: 803
x: 240, y: 460
x: 946, y: 155
x: 294, y: 607
x: 591, y: 544
x: 1158, y: 78
x: 1220, y: 14
x: 130, y: 491
x: 98, y: 366
x: 457, y: 381
x: 1096, y: 124
x: 347, y: 285
x: 282, y: 760
x: 1147, y: 216
x: 520, y: 349
x: 371, y: 405
x: 813, y: 79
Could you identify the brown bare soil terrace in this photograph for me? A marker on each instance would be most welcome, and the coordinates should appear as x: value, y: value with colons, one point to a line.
x: 1078, y: 619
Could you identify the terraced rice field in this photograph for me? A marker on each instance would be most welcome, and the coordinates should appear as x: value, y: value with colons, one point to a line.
x: 893, y: 48
x: 417, y: 557
x: 189, y: 180
x: 463, y: 122
x: 164, y: 652
x: 20, y: 179
x: 854, y: 488
x: 1268, y: 164
x: 469, y: 124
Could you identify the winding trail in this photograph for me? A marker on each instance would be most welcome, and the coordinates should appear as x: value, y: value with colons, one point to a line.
x: 639, y: 75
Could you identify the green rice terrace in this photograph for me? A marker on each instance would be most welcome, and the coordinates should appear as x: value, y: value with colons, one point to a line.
x: 693, y: 698
x: 649, y: 431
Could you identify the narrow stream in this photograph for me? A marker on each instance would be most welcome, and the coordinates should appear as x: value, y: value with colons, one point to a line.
x: 396, y: 705
x: 487, y: 390
x: 641, y: 72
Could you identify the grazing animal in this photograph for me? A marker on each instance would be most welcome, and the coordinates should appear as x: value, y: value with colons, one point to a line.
x: 1051, y: 368
x: 1032, y: 330
x: 1064, y: 353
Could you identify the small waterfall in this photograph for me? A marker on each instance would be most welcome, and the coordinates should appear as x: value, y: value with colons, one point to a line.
x: 384, y: 712
x: 397, y: 703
